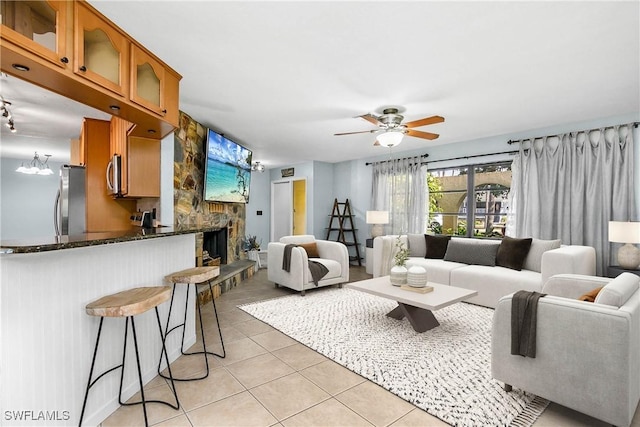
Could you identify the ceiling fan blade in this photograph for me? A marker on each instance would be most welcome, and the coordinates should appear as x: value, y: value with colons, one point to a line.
x: 353, y: 133
x: 423, y: 135
x: 370, y: 118
x: 426, y: 121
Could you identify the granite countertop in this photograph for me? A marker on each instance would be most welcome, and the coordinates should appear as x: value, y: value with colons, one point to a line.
x: 54, y: 243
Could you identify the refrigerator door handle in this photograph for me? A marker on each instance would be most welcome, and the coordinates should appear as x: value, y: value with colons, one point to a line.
x: 56, y: 213
x: 109, y: 167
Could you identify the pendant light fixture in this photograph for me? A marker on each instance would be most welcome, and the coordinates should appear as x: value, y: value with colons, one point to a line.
x: 36, y: 166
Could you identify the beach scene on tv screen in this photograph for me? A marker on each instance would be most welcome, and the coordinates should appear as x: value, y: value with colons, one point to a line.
x: 228, y: 171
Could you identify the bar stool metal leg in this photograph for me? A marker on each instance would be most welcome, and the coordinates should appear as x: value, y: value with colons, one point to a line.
x: 205, y: 352
x: 143, y: 401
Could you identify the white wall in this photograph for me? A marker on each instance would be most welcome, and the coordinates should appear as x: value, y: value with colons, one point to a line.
x: 27, y: 201
x: 165, y: 216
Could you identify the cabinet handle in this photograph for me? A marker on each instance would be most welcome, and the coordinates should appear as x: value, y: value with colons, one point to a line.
x: 83, y: 68
x: 164, y: 111
x: 64, y: 60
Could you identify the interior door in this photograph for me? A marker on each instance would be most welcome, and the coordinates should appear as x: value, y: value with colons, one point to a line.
x: 281, y: 209
x: 299, y: 207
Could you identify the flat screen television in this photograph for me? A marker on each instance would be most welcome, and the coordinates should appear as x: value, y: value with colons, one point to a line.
x: 227, y: 175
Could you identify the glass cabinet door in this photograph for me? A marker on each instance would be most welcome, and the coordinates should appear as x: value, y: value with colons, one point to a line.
x: 101, y: 51
x: 147, y: 81
x: 38, y: 26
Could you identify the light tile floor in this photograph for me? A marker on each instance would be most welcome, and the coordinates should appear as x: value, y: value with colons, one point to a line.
x: 268, y: 379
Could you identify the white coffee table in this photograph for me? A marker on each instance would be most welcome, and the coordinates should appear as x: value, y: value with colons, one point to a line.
x: 416, y: 307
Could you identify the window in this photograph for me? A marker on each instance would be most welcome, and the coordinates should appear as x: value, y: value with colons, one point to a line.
x: 451, y: 210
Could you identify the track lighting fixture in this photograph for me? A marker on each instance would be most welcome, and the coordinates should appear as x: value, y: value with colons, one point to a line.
x: 6, y: 113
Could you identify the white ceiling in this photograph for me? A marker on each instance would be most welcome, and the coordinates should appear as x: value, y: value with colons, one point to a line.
x: 282, y: 77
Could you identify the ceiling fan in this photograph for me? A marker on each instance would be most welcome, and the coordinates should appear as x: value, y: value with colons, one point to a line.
x: 391, y: 130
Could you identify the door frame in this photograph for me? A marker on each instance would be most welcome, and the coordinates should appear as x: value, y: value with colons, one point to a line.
x: 290, y: 213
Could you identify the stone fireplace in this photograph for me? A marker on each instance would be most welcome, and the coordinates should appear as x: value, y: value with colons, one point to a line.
x: 190, y: 210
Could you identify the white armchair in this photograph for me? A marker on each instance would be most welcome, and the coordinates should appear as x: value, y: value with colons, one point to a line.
x: 333, y: 255
x: 587, y: 354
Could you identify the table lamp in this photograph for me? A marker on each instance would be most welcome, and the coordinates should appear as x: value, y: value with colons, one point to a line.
x: 627, y: 233
x: 377, y: 218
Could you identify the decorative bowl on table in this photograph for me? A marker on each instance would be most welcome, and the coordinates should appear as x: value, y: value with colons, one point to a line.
x: 417, y: 277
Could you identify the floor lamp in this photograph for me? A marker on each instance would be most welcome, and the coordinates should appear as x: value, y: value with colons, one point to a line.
x: 627, y: 233
x: 377, y: 218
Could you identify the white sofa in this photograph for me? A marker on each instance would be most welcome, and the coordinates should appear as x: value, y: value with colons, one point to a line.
x: 587, y: 353
x: 333, y: 255
x: 492, y: 283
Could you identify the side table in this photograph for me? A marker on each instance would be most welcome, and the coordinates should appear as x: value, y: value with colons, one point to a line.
x: 616, y: 270
x: 368, y: 257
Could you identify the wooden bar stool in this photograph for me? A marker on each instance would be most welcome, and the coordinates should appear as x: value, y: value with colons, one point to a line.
x: 128, y: 304
x: 196, y: 275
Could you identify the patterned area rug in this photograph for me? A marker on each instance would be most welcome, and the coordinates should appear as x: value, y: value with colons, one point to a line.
x: 445, y: 371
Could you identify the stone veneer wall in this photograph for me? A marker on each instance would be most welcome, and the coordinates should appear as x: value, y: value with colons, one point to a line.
x: 188, y: 189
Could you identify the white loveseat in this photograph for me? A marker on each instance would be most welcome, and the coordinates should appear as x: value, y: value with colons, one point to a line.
x: 333, y: 255
x: 587, y: 353
x: 491, y: 282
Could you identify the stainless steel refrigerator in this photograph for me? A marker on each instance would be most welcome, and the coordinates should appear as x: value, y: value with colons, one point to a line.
x: 70, y: 206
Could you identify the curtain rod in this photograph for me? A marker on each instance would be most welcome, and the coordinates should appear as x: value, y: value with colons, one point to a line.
x: 635, y: 125
x: 473, y: 156
x: 404, y: 158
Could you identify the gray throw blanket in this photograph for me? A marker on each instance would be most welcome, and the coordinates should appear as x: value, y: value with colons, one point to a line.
x: 317, y: 269
x: 524, y: 309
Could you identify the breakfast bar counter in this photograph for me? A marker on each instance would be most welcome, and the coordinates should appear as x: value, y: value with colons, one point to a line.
x: 47, y: 339
x: 53, y: 243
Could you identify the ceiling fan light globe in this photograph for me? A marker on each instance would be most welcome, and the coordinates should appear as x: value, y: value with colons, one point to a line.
x: 390, y: 138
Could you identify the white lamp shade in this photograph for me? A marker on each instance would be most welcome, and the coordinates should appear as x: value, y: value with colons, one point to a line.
x: 624, y: 232
x: 390, y: 138
x: 377, y: 217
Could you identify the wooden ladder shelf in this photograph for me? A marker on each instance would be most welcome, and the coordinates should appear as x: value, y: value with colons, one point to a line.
x: 344, y: 226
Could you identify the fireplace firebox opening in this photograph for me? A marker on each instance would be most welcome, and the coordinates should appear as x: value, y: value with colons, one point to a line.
x: 215, y: 243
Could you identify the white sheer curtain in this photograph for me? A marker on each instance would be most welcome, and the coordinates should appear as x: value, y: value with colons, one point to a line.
x: 570, y: 186
x: 399, y: 186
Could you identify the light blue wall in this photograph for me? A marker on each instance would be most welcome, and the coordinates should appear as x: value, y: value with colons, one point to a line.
x: 27, y: 201
x: 259, y: 200
x: 352, y: 179
x: 323, y: 191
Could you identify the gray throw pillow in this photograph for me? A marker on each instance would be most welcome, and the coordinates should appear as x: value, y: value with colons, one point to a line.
x: 533, y: 261
x: 417, y: 245
x: 472, y: 251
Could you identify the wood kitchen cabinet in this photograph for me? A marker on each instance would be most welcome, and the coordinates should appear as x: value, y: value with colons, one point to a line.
x: 70, y: 48
x: 153, y: 86
x: 140, y: 160
x: 104, y: 213
x: 101, y: 51
x: 40, y: 27
x: 144, y: 167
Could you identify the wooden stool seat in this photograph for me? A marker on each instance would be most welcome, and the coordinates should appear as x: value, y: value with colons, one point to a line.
x: 130, y: 302
x: 194, y: 275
